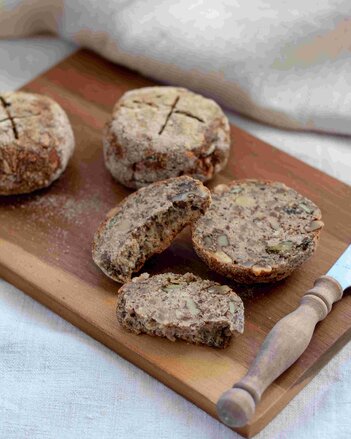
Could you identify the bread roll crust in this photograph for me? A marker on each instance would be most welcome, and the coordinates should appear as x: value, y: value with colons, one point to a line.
x: 157, y: 133
x: 36, y: 142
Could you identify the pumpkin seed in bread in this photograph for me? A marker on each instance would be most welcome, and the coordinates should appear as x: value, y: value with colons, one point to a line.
x: 257, y: 231
x: 157, y: 133
x: 145, y: 223
x: 181, y: 307
x: 36, y: 142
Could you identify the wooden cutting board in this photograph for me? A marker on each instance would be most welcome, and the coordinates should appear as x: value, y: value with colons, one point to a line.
x: 45, y: 250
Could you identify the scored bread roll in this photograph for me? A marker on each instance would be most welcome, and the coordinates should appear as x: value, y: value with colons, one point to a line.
x: 36, y: 142
x: 157, y: 133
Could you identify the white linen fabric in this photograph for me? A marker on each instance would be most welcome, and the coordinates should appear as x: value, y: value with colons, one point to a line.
x: 286, y: 63
x: 57, y: 382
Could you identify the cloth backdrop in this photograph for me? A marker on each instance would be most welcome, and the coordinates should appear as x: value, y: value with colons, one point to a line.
x: 287, y: 63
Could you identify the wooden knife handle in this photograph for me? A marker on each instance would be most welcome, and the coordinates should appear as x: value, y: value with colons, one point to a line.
x: 284, y: 344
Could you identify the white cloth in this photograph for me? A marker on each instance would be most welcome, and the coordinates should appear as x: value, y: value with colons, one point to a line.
x: 58, y: 383
x: 286, y: 62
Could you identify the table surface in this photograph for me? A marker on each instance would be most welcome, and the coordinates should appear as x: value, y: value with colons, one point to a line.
x: 57, y: 382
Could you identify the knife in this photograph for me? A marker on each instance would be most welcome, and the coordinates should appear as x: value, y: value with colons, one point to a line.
x: 284, y: 344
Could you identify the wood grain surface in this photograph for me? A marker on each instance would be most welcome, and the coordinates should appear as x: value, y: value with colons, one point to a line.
x: 45, y: 250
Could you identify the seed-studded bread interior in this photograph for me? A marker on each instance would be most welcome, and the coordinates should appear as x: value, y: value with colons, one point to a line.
x: 258, y: 225
x: 146, y: 223
x: 181, y: 306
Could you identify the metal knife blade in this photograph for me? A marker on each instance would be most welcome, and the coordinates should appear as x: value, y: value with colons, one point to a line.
x: 341, y: 270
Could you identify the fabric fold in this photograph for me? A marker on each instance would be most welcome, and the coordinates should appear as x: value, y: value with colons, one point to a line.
x: 284, y: 63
